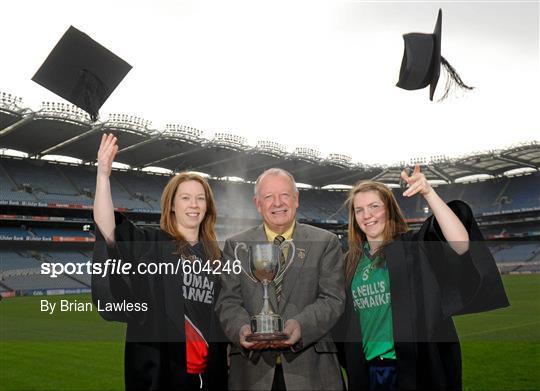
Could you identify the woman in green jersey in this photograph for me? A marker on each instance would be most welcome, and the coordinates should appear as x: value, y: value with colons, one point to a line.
x: 404, y: 286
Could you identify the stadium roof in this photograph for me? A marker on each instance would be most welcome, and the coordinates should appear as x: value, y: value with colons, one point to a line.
x: 63, y: 129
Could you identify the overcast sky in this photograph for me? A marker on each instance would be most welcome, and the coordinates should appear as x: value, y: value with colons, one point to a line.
x: 311, y: 73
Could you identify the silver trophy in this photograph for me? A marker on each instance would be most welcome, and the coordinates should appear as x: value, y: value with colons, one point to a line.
x: 264, y: 265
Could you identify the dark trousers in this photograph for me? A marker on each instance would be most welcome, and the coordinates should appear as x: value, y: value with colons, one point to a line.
x: 382, y: 377
x: 279, y: 380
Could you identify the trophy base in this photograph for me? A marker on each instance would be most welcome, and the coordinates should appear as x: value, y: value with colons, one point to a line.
x: 266, y: 327
x: 266, y: 337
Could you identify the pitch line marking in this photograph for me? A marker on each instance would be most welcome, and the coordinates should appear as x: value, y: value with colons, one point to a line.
x: 501, y: 328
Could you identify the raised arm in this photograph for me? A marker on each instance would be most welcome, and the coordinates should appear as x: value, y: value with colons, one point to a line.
x: 453, y: 230
x: 103, y: 204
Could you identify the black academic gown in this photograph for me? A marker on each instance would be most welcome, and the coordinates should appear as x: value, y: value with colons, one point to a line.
x: 155, y: 351
x: 429, y: 283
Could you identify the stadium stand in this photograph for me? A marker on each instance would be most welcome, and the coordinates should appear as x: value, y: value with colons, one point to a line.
x: 520, y: 193
x: 234, y: 200
x: 45, y: 203
x: 12, y: 260
x: 51, y: 232
x: 515, y: 252
x: 67, y: 256
x: 75, y: 257
x: 141, y: 187
x: 11, y: 233
x: 138, y: 190
x: 32, y: 280
x: 9, y: 190
x: 21, y: 270
x: 516, y: 256
x: 82, y: 178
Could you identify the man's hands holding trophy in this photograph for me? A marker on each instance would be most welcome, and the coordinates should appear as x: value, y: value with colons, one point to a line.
x: 266, y: 330
x: 292, y: 329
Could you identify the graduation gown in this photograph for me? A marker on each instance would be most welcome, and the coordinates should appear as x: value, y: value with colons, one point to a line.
x: 429, y: 283
x: 155, y: 350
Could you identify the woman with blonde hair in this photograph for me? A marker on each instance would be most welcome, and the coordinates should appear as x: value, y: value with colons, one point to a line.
x: 403, y: 287
x: 172, y: 338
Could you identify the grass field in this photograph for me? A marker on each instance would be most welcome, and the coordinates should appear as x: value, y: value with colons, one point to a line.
x: 80, y: 351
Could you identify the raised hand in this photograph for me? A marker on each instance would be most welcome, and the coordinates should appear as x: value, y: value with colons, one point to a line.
x: 106, y: 153
x: 452, y: 228
x: 103, y: 204
x: 417, y: 183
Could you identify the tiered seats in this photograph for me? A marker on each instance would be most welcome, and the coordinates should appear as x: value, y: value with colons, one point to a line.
x: 43, y: 178
x: 142, y: 185
x: 481, y: 196
x: 9, y: 190
x: 67, y: 256
x: 137, y: 190
x: 11, y: 260
x: 71, y: 257
x: 412, y: 207
x: 50, y: 232
x: 518, y: 252
x: 83, y: 179
x: 234, y: 200
x: 523, y: 192
x: 516, y: 256
x: 451, y: 192
x: 321, y: 205
x: 21, y: 271
x: 39, y: 281
x: 7, y: 233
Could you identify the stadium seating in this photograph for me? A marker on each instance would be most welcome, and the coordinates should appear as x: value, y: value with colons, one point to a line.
x: 523, y: 192
x: 50, y: 232
x: 12, y: 260
x: 516, y: 252
x: 9, y: 190
x: 321, y: 205
x: 48, y: 182
x: 21, y: 270
x: 412, y: 207
x: 517, y: 257
x: 9, y: 233
x: 71, y: 257
x: 34, y: 281
x: 141, y: 187
x: 40, y: 175
x: 67, y: 256
x: 38, y: 181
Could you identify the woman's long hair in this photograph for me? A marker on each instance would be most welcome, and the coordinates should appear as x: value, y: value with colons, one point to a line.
x: 207, y: 233
x: 394, y: 225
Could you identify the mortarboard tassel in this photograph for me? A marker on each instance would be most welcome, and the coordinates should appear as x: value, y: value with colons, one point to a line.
x: 453, y: 80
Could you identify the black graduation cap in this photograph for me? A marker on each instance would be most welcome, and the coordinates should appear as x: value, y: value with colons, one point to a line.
x: 421, y: 63
x: 82, y: 71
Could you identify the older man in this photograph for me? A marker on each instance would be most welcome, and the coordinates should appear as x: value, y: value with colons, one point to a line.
x: 310, y: 299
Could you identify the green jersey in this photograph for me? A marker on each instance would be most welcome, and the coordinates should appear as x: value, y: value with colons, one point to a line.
x: 371, y: 297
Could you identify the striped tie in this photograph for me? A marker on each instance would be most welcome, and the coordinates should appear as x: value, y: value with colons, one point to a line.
x: 278, y: 280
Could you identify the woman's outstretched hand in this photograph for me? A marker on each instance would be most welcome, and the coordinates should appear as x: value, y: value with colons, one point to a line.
x: 417, y: 183
x: 106, y: 154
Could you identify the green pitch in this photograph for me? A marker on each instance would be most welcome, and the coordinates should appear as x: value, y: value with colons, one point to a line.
x: 80, y: 351
x: 501, y: 349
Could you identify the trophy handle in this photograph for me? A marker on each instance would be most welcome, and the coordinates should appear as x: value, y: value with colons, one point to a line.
x: 291, y: 253
x: 245, y: 248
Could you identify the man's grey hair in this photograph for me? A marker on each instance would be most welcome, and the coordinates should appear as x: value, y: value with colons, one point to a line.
x: 274, y: 171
